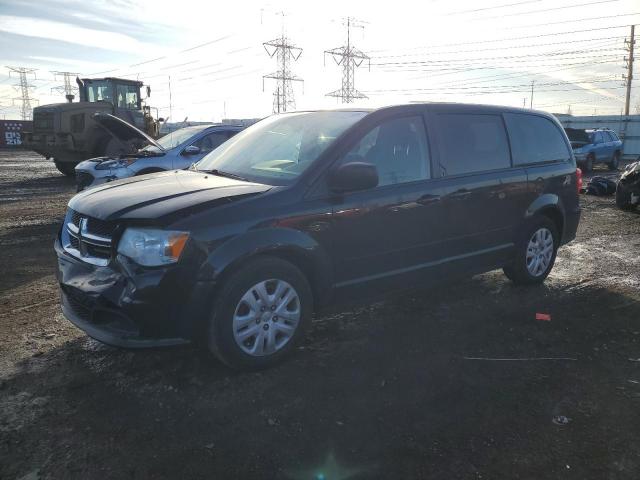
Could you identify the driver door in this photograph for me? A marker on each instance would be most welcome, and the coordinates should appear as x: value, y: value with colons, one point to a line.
x: 384, y: 235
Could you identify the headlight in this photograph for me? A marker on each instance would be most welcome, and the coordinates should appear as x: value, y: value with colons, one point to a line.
x: 152, y: 247
x: 120, y: 163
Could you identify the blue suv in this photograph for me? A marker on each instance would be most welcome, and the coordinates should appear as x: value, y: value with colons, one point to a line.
x: 595, y: 146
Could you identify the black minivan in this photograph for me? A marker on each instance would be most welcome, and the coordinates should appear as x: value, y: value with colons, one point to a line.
x: 307, y: 209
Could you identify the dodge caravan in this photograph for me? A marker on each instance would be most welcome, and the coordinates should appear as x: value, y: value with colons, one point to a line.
x: 308, y: 209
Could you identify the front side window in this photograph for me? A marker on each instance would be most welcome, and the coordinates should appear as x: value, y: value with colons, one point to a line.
x: 596, y: 137
x: 127, y: 97
x: 472, y: 143
x: 398, y: 148
x: 211, y: 141
x: 614, y: 136
x: 535, y: 139
x: 608, y: 137
x: 276, y: 150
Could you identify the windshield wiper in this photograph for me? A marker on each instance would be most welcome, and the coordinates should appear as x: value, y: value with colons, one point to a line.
x: 220, y: 173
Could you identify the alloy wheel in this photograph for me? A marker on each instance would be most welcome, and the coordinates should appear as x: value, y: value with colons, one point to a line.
x: 539, y: 252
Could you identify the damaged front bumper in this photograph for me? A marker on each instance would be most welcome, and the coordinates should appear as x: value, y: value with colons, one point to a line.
x: 117, y: 306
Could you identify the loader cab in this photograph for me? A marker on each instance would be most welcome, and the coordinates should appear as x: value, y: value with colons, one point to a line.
x: 122, y: 94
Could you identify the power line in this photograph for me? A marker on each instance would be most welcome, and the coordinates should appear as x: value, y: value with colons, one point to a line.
x: 349, y: 58
x: 545, y: 10
x: 493, y: 8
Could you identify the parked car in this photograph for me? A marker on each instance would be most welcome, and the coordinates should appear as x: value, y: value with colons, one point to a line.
x: 308, y: 209
x: 628, y: 188
x: 595, y: 146
x: 176, y: 150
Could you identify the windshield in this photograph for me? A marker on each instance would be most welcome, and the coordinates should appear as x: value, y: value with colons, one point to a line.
x: 173, y: 139
x: 278, y: 149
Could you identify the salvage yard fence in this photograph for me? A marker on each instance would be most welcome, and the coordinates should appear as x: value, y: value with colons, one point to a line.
x: 626, y: 126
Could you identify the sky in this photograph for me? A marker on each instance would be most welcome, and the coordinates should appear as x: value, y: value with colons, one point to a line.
x: 205, y: 61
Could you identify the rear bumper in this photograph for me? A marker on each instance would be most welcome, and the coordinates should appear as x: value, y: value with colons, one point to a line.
x: 152, y: 308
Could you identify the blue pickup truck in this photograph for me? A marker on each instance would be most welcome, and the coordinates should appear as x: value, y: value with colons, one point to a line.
x: 595, y: 146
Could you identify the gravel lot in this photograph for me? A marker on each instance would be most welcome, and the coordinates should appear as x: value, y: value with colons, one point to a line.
x: 398, y: 389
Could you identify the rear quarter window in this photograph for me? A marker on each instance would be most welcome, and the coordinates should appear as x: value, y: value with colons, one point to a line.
x: 535, y: 139
x: 471, y: 143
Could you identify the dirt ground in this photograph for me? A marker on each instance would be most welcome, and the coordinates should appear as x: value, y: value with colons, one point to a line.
x: 410, y: 387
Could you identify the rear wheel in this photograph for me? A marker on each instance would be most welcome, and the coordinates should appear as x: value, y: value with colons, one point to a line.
x: 65, y: 168
x: 261, y: 314
x: 535, y: 253
x: 615, y: 161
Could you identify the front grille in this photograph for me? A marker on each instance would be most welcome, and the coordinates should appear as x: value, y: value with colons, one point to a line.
x: 83, y: 180
x: 87, y: 237
x: 100, y: 227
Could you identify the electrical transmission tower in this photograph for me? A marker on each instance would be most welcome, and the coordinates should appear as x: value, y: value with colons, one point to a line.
x: 628, y: 78
x: 349, y: 58
x: 68, y: 88
x: 285, y: 52
x: 24, y: 87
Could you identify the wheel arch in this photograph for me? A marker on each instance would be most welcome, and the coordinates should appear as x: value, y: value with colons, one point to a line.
x: 550, y: 206
x: 292, y: 246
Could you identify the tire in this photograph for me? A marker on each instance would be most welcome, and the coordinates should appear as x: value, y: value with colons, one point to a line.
x: 519, y: 271
x: 66, y: 168
x: 615, y: 161
x: 238, y: 315
x: 623, y: 198
x: 588, y: 164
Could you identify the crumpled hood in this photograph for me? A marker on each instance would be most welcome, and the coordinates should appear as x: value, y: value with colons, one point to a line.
x: 157, y: 195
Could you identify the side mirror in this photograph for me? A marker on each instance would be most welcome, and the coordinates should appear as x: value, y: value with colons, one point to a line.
x: 353, y: 176
x: 192, y: 150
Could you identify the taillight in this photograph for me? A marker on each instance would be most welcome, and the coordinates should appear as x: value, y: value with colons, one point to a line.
x: 579, y: 179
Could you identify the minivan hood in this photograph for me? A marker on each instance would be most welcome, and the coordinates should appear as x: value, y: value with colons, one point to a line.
x: 150, y: 197
x: 123, y: 131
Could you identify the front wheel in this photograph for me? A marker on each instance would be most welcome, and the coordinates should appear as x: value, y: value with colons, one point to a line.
x: 261, y: 314
x: 66, y: 168
x: 535, y: 253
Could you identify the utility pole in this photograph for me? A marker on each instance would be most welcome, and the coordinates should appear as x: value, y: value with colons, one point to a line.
x: 68, y: 88
x: 349, y: 58
x: 531, y: 100
x: 284, y: 51
x: 628, y: 78
x: 24, y: 87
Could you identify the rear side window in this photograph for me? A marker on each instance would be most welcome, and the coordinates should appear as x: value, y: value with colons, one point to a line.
x: 535, y: 139
x: 472, y: 143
